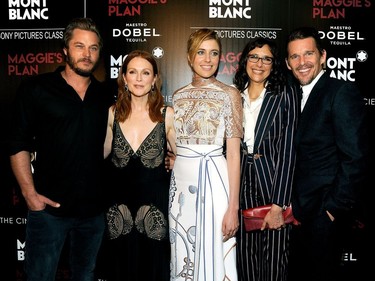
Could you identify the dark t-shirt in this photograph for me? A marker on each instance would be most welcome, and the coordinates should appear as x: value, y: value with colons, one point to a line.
x: 67, y: 135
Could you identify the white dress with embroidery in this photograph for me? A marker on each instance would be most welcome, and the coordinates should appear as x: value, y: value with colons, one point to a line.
x: 206, y: 112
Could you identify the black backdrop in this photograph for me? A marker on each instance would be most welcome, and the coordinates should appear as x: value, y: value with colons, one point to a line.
x: 30, y: 36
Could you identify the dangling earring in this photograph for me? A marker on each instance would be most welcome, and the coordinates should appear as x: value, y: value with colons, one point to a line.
x: 152, y: 88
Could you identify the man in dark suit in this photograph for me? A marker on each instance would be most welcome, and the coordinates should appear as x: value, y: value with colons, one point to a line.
x: 330, y: 167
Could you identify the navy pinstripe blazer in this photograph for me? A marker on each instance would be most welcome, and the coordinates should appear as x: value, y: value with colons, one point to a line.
x: 274, y: 153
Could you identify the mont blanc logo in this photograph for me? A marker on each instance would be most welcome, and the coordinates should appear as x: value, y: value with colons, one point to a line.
x: 28, y: 10
x: 232, y: 9
x: 158, y: 52
x: 361, y: 56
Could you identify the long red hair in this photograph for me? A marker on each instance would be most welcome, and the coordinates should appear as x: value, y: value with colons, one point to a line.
x: 155, y: 98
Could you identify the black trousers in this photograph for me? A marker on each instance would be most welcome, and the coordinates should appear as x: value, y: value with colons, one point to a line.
x: 316, y: 248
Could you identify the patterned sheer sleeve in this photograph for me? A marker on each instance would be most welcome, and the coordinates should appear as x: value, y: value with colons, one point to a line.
x: 233, y: 121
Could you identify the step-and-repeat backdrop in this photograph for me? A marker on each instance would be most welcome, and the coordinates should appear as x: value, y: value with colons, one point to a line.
x: 30, y: 44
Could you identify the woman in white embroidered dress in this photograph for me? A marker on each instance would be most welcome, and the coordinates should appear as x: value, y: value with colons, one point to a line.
x: 204, y: 191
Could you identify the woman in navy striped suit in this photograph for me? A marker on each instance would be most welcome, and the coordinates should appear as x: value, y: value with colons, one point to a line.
x: 270, y: 108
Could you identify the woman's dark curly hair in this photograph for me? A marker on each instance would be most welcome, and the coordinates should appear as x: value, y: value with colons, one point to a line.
x: 276, y: 79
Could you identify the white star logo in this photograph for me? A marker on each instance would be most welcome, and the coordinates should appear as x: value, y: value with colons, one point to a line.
x: 361, y: 56
x: 158, y: 52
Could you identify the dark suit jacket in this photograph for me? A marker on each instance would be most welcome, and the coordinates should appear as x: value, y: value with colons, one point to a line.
x: 274, y: 145
x: 331, y: 150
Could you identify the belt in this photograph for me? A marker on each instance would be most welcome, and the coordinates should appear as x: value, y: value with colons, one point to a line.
x: 250, y: 158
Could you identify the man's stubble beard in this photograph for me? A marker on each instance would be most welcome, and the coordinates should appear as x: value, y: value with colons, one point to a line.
x: 81, y: 72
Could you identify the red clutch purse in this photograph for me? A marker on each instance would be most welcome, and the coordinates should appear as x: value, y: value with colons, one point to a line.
x: 253, y: 217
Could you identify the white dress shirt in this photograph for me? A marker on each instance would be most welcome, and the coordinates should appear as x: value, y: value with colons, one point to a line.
x: 306, y: 89
x: 251, y: 111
